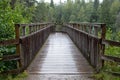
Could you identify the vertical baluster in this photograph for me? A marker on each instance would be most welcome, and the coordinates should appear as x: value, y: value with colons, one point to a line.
x: 36, y: 27
x: 96, y: 30
x: 39, y: 26
x: 23, y: 31
x: 30, y: 29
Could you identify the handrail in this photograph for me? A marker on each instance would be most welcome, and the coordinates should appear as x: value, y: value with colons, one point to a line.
x: 8, y: 42
x: 10, y: 57
x: 89, y: 45
x: 32, y: 27
x: 110, y: 58
x: 91, y: 28
x: 111, y: 43
x: 93, y: 36
x: 37, y: 33
x: 92, y: 46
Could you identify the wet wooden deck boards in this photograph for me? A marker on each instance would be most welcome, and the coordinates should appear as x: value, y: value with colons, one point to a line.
x: 59, y: 59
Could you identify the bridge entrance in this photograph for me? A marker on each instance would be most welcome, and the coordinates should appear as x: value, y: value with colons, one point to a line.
x: 59, y: 57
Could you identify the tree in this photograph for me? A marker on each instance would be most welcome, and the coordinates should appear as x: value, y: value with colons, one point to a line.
x: 58, y: 14
x: 40, y: 13
x: 114, y: 10
x: 52, y: 4
x: 12, y: 3
x: 105, y: 12
x: 117, y: 23
x: 9, y: 15
x: 94, y: 16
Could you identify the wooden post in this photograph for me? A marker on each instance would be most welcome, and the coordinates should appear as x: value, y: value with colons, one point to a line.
x: 17, y: 26
x: 102, y: 47
x: 103, y: 26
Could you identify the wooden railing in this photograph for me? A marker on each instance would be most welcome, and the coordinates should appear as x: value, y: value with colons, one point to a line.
x: 90, y: 39
x: 29, y: 39
x: 107, y: 57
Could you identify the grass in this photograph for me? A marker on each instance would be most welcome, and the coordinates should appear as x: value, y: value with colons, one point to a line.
x: 14, y: 77
x: 105, y: 72
x: 105, y: 76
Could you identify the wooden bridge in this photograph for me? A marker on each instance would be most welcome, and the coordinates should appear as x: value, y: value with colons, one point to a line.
x: 74, y: 53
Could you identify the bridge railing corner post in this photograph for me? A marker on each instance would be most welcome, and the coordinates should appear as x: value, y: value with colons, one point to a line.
x: 102, y: 47
x: 17, y: 37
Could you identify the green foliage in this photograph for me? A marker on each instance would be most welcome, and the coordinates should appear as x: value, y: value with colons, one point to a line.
x: 117, y: 25
x: 112, y: 50
x: 105, y: 15
x: 9, y: 15
x: 94, y: 15
x: 105, y: 76
x: 14, y: 77
x: 8, y: 65
x: 25, y: 11
x: 6, y: 21
x: 41, y: 12
x: 52, y: 4
x: 111, y: 67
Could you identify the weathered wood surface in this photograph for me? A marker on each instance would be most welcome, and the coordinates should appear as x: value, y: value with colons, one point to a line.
x: 8, y: 42
x: 10, y: 57
x: 111, y: 43
x: 89, y: 45
x: 59, y: 59
x: 111, y: 58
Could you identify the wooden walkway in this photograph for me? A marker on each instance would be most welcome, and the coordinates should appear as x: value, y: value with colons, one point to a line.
x: 59, y: 59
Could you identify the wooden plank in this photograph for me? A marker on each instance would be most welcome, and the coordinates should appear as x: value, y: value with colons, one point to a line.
x: 9, y: 42
x: 110, y: 58
x: 10, y: 58
x: 111, y: 43
x: 59, y: 55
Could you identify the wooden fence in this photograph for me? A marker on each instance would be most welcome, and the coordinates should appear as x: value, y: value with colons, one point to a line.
x: 90, y: 39
x: 29, y: 39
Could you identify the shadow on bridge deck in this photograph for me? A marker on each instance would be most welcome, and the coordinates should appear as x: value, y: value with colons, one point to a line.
x: 59, y: 59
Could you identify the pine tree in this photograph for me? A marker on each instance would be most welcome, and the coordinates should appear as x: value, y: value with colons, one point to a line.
x: 94, y: 15
x: 52, y: 4
x: 105, y: 12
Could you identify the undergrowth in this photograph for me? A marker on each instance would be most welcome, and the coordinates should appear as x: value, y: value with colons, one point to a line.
x: 107, y: 70
x: 20, y: 76
x: 105, y: 76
